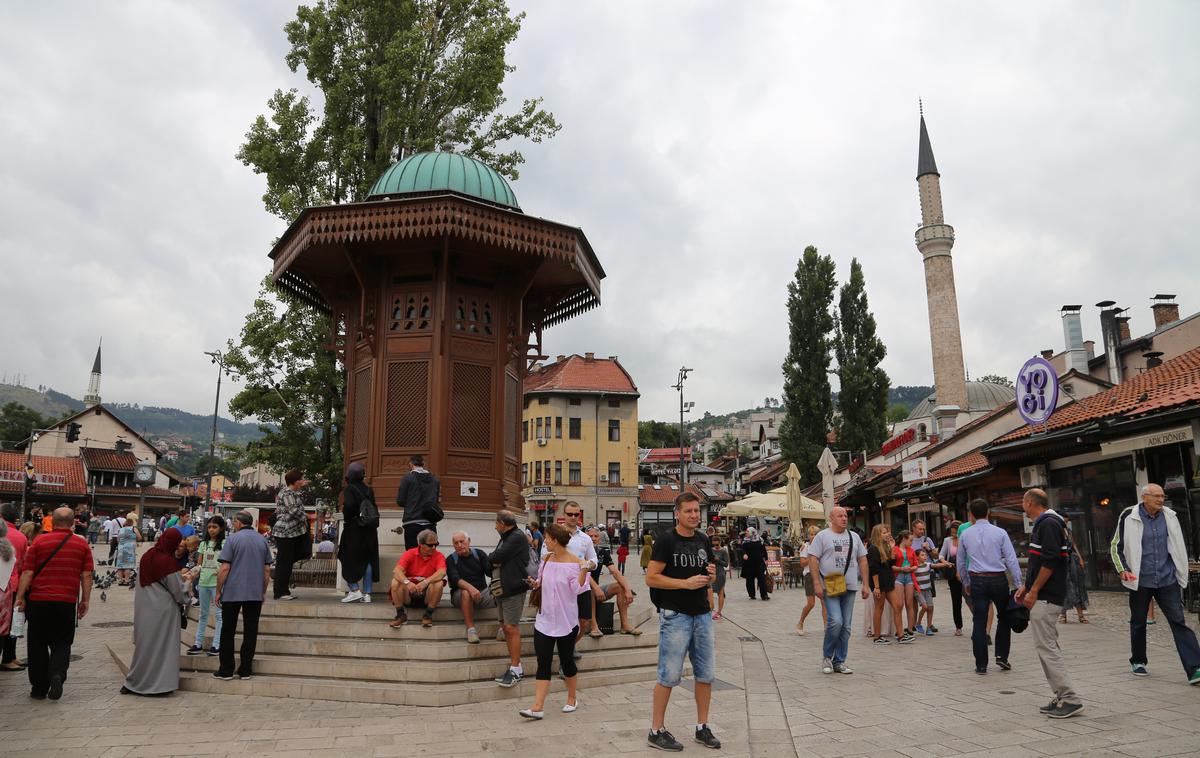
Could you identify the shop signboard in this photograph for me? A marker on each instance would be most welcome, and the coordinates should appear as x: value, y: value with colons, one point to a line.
x: 1037, y: 391
x: 915, y: 470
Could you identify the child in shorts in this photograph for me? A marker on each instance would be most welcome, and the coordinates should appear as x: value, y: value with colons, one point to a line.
x: 923, y: 597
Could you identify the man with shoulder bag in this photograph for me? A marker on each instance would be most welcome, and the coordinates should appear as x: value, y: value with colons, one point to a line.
x: 54, y: 591
x: 511, y: 557
x: 837, y: 562
x: 469, y: 573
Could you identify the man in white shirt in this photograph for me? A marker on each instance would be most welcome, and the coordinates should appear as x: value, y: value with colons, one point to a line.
x: 580, y: 545
x: 112, y: 528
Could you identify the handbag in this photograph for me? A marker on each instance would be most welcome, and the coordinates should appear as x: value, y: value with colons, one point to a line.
x: 835, y: 584
x: 496, y: 587
x: 535, y: 597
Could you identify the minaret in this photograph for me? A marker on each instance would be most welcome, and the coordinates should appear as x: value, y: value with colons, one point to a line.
x: 93, y: 392
x: 935, y: 238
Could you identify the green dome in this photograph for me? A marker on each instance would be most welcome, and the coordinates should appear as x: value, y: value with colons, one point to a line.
x: 432, y: 172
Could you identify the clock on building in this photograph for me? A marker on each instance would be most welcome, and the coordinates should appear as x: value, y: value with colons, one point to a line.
x: 143, y: 474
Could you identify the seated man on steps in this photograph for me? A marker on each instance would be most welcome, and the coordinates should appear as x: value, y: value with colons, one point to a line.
x: 618, y: 588
x: 418, y: 580
x: 469, y: 573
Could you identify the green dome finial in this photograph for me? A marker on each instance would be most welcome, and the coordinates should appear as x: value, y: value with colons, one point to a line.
x: 431, y: 172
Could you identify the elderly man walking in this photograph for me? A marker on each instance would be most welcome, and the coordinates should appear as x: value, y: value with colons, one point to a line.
x: 989, y: 553
x: 55, y: 587
x: 1150, y: 540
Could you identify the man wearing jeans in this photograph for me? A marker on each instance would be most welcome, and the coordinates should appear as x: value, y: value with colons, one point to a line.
x: 1150, y: 540
x: 989, y: 552
x: 1044, y: 592
x: 681, y: 568
x: 241, y: 583
x: 837, y: 551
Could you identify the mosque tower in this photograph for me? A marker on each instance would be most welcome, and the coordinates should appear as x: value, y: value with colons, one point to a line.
x: 935, y: 238
x: 93, y: 391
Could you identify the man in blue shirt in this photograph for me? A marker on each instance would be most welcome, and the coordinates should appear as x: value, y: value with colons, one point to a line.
x: 241, y: 582
x: 992, y: 559
x: 1149, y: 538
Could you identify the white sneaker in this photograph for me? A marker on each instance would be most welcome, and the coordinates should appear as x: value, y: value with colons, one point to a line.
x: 529, y: 713
x: 352, y: 596
x: 827, y: 666
x: 568, y: 708
x: 366, y: 598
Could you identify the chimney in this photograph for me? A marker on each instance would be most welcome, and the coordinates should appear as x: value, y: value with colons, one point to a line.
x: 1047, y: 354
x: 1108, y: 333
x: 589, y: 357
x: 1153, y: 359
x: 559, y: 358
x: 1165, y: 312
x: 1089, y: 347
x: 612, y: 358
x: 1076, y: 357
x: 1123, y: 328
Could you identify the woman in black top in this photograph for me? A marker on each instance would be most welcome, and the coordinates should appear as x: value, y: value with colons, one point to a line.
x: 754, y: 563
x: 359, y: 551
x: 882, y: 582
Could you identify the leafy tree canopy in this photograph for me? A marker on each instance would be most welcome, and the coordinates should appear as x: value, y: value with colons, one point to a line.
x: 17, y: 421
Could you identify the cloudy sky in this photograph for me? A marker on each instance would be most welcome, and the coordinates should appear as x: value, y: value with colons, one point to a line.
x: 704, y: 145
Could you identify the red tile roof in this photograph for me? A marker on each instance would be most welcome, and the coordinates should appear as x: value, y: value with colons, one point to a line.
x: 653, y: 494
x: 968, y: 463
x: 666, y: 455
x: 1175, y: 383
x: 578, y: 374
x: 102, y: 459
x: 12, y: 466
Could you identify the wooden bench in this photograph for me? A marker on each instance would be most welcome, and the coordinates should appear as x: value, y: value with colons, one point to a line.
x: 318, y: 571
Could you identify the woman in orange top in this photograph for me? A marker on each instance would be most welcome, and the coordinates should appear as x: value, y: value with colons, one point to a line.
x: 904, y: 563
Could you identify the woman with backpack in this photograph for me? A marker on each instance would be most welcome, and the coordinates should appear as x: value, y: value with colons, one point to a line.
x: 359, y: 552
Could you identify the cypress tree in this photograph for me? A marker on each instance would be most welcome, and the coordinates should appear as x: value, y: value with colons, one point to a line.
x: 807, y: 400
x: 863, y: 397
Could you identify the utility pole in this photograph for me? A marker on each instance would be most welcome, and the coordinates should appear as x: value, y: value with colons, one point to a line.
x: 219, y: 360
x: 683, y: 408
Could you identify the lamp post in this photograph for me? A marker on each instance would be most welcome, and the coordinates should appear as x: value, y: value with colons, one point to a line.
x: 218, y: 360
x: 683, y: 408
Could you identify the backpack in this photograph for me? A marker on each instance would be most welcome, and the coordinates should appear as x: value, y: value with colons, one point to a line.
x: 368, y: 512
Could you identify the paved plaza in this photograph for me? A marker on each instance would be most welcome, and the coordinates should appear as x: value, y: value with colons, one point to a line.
x: 915, y: 700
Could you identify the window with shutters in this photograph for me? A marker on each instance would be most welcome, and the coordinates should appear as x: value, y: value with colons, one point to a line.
x: 525, y: 474
x: 614, y: 473
x: 473, y: 315
x: 558, y: 427
x: 524, y: 431
x: 537, y: 472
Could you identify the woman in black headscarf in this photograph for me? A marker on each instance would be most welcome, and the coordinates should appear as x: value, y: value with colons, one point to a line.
x: 359, y: 551
x: 754, y: 563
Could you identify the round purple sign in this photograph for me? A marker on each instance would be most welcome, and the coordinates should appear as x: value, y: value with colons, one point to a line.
x: 1037, y: 391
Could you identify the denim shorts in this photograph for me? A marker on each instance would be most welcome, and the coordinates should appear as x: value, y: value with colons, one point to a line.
x: 904, y: 578
x: 682, y: 635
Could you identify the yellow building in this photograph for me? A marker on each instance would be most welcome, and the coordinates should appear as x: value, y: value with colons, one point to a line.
x: 579, y: 439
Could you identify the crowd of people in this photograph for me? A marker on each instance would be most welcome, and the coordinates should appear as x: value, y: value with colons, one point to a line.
x: 45, y: 587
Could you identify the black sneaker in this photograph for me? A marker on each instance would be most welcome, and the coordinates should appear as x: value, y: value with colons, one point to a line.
x: 244, y: 677
x: 1052, y: 705
x: 37, y: 694
x: 1004, y: 664
x: 705, y: 737
x: 212, y: 651
x: 1065, y: 710
x: 222, y: 677
x: 882, y: 641
x: 663, y: 740
x: 989, y: 640
x: 195, y: 650
x: 55, y: 690
x: 509, y: 679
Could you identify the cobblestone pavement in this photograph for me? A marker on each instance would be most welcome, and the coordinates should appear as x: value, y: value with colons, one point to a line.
x: 916, y: 700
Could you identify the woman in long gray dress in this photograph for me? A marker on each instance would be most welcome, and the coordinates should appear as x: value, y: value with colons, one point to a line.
x: 154, y: 669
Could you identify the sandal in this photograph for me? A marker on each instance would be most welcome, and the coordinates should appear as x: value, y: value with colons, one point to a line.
x: 596, y: 634
x: 1084, y: 620
x: 634, y: 632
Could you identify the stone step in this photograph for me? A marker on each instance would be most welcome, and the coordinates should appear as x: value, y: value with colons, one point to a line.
x: 422, y: 650
x: 413, y: 671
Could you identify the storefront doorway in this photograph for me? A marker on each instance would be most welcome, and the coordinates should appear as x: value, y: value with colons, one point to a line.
x: 1091, y: 498
x: 1173, y: 467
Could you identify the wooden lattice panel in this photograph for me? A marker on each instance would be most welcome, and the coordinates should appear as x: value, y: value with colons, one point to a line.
x: 512, y: 417
x: 361, y: 420
x: 471, y: 407
x: 406, y: 423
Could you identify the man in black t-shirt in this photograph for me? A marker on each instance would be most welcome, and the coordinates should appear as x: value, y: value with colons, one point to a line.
x: 1044, y: 593
x: 681, y: 568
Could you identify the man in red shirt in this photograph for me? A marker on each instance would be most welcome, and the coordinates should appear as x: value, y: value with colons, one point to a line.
x: 56, y: 585
x: 8, y: 511
x: 418, y: 580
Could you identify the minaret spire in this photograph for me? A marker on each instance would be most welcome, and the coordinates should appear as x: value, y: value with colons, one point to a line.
x: 93, y: 393
x: 935, y: 239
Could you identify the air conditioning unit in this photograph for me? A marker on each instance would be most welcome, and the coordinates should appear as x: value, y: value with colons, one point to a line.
x: 604, y: 477
x: 541, y: 441
x: 1033, y: 476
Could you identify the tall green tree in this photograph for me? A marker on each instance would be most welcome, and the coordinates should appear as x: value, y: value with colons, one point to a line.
x: 395, y: 78
x: 863, y: 397
x: 17, y: 421
x: 807, y: 400
x: 292, y: 386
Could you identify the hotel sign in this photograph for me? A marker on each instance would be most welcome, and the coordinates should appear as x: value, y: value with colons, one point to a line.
x: 1037, y: 391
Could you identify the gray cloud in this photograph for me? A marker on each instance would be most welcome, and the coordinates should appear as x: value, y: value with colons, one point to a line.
x: 704, y: 145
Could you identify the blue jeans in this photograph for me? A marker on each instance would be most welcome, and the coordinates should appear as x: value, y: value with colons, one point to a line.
x: 366, y: 582
x: 839, y: 614
x: 207, y: 596
x: 987, y: 590
x: 678, y: 635
x: 1170, y: 602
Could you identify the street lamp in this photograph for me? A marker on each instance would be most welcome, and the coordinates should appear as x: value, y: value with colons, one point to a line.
x: 683, y: 408
x: 218, y: 360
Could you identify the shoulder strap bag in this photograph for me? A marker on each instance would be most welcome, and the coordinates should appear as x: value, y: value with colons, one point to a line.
x: 49, y: 557
x: 835, y: 584
x: 368, y: 512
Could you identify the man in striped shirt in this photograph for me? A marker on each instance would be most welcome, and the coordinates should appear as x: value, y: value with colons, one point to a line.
x: 56, y: 584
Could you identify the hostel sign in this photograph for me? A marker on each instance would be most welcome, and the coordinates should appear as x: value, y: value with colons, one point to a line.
x: 1037, y: 391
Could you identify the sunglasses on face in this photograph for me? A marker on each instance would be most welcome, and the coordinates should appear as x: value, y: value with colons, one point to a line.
x: 431, y: 544
x: 574, y: 515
